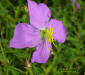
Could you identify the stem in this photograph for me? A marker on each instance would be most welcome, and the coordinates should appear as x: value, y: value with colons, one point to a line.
x: 18, y: 69
x: 3, y: 54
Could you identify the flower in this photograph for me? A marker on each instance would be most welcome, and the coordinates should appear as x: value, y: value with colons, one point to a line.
x: 40, y: 33
x: 73, y: 0
x: 77, y: 5
x: 28, y: 65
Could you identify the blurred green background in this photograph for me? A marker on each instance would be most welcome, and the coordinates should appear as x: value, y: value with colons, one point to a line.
x: 67, y: 59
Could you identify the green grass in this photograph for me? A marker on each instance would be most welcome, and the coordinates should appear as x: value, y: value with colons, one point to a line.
x: 67, y: 59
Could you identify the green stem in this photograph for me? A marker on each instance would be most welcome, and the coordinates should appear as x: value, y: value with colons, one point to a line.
x: 3, y: 54
x: 18, y: 69
x: 29, y: 70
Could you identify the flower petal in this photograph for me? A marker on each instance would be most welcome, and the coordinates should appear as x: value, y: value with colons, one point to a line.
x: 25, y: 36
x: 39, y: 14
x: 41, y: 54
x: 59, y: 31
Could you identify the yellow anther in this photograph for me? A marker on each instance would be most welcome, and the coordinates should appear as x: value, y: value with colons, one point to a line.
x: 50, y: 38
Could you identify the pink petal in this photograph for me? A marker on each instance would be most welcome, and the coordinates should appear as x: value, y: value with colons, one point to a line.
x: 41, y: 54
x: 39, y: 14
x: 59, y: 31
x: 25, y: 36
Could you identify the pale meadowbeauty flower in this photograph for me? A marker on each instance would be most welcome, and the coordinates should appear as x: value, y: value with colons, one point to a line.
x: 73, y: 0
x: 27, y: 64
x: 40, y: 33
x: 77, y: 5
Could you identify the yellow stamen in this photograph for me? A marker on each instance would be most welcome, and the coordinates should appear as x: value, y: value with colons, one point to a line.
x: 50, y: 38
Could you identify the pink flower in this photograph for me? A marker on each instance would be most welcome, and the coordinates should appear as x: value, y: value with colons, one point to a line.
x: 77, y: 5
x: 73, y: 1
x: 28, y: 65
x: 39, y: 33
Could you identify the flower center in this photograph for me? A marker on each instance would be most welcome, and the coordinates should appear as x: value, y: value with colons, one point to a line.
x: 43, y: 33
